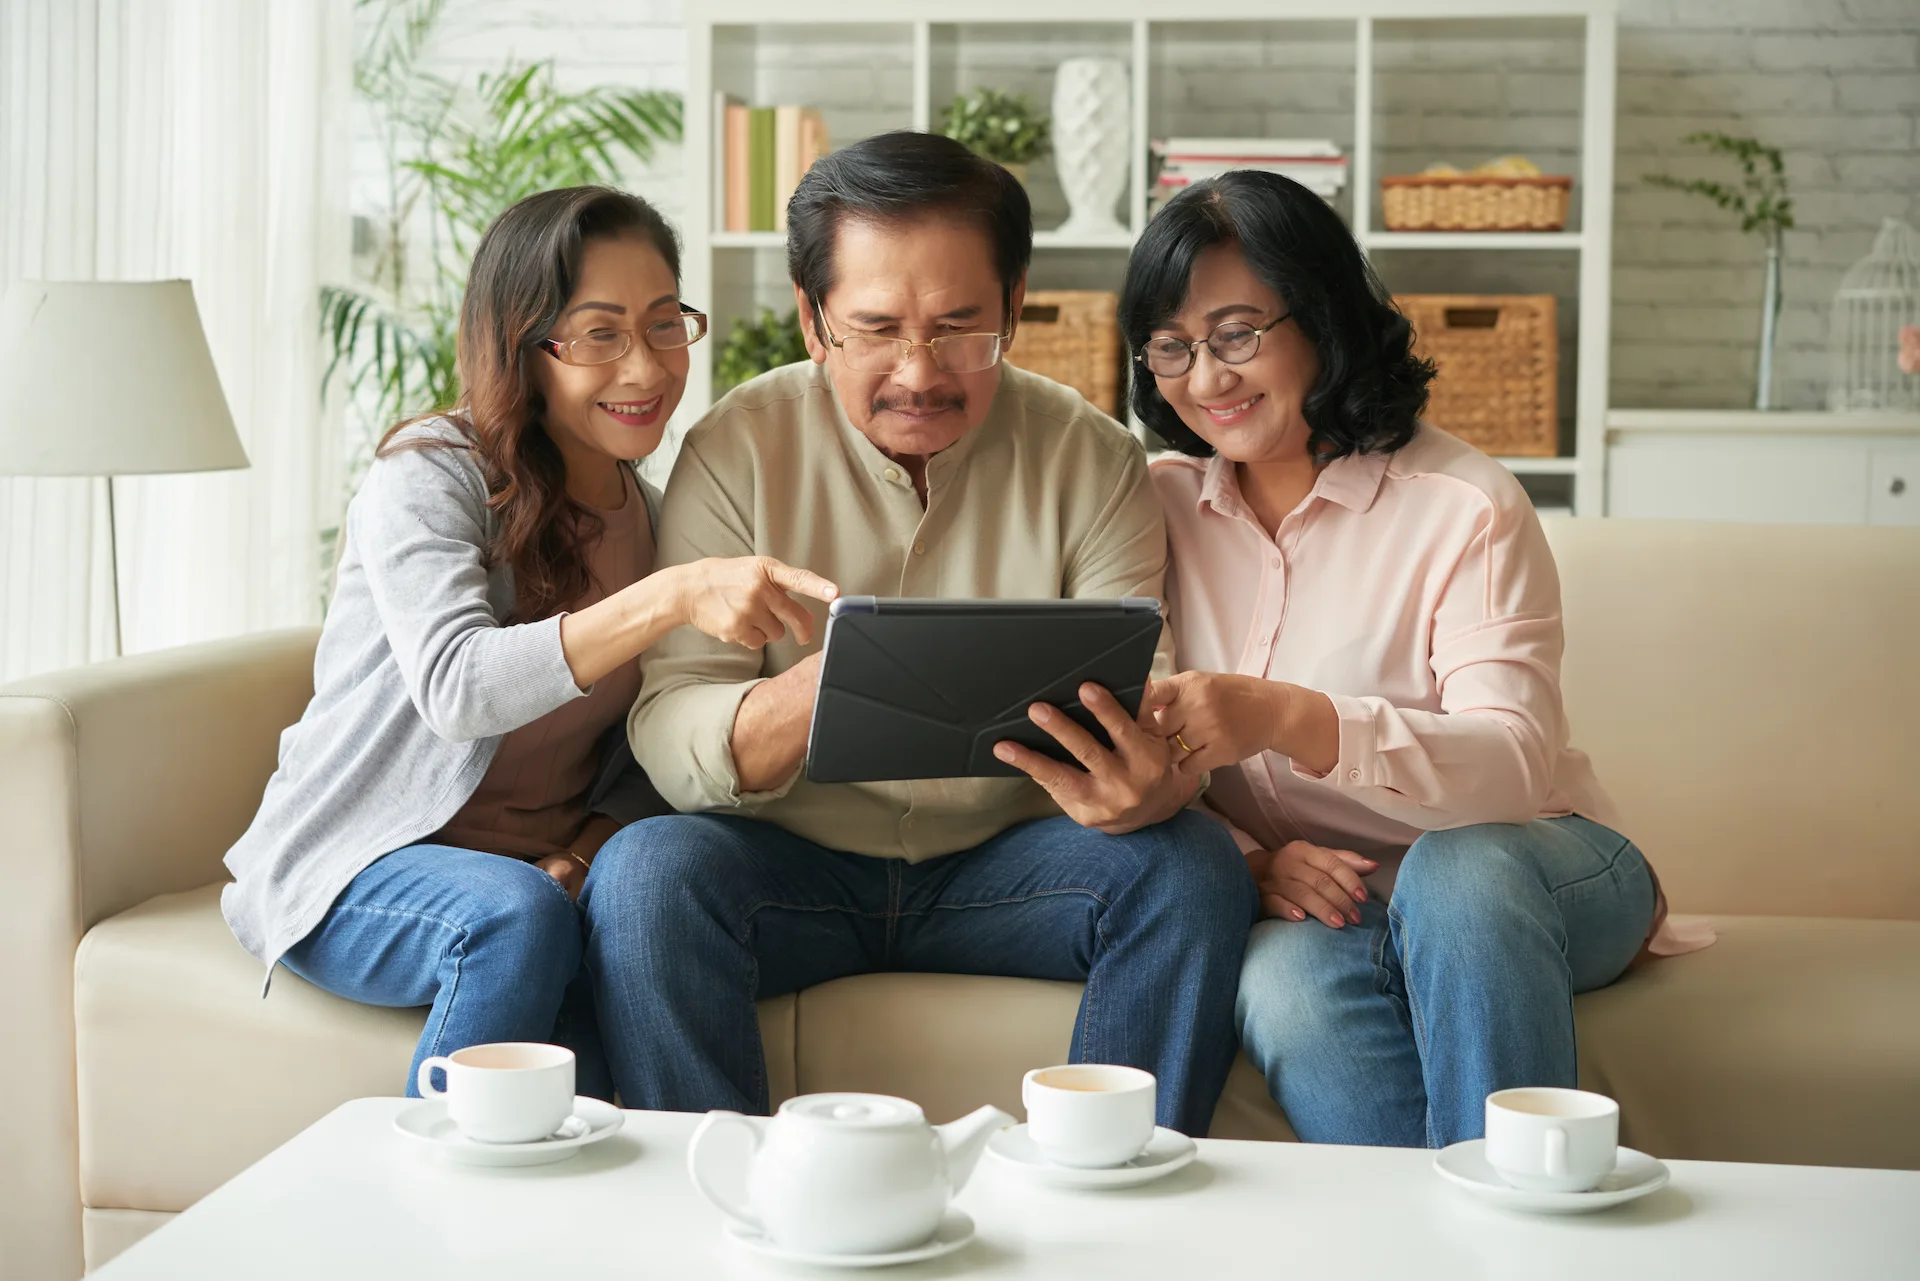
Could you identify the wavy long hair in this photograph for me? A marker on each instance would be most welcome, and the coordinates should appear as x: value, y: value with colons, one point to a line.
x: 1371, y: 389
x: 523, y: 274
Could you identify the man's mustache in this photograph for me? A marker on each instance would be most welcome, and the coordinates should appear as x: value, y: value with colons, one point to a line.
x: 932, y: 403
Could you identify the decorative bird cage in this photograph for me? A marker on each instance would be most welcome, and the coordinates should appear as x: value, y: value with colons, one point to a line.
x: 1878, y: 297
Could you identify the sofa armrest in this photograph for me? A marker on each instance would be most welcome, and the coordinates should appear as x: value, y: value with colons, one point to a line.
x: 118, y: 781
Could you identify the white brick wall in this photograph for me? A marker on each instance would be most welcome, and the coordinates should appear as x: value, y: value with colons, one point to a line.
x: 1835, y: 83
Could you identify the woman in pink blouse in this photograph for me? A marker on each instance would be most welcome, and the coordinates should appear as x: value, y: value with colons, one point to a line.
x: 1370, y: 621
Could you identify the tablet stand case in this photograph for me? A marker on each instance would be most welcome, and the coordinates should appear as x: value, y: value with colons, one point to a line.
x: 915, y: 689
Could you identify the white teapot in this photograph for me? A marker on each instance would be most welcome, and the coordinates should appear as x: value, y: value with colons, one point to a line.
x: 846, y: 1173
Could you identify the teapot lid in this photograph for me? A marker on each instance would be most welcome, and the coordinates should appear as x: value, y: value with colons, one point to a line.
x: 862, y: 1111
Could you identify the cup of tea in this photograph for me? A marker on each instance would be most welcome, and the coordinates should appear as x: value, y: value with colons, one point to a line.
x: 506, y: 1092
x: 1552, y: 1140
x: 1089, y: 1116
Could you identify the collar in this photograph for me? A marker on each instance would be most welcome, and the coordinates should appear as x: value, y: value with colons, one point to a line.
x: 1353, y: 482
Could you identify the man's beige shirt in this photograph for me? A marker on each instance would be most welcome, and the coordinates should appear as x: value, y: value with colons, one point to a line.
x: 1048, y: 498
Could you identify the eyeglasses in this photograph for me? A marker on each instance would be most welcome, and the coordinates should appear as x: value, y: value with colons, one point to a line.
x: 604, y: 346
x: 953, y: 353
x: 1233, y: 343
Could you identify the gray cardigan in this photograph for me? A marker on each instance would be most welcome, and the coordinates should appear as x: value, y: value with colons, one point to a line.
x: 415, y: 682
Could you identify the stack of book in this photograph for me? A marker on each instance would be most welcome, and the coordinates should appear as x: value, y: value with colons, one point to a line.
x: 762, y: 153
x: 1314, y: 163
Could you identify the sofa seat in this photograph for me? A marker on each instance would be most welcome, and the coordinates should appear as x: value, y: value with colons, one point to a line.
x: 1773, y: 1044
x: 1793, y: 1040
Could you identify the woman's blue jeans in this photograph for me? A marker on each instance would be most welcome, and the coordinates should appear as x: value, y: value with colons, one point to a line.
x: 492, y: 944
x: 1393, y: 1032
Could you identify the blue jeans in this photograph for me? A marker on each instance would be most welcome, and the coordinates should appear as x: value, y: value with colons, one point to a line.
x: 1393, y: 1032
x: 491, y: 944
x: 691, y: 918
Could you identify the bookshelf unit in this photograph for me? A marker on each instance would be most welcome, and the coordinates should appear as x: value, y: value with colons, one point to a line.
x: 1395, y: 83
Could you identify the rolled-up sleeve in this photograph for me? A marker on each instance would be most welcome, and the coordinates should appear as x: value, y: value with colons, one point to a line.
x: 417, y: 527
x: 1487, y: 755
x: 1124, y: 552
x: 692, y: 685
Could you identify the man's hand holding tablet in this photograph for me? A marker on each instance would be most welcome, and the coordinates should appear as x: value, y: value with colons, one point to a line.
x: 1118, y: 790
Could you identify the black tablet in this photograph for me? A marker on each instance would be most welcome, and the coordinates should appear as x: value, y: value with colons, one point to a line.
x: 925, y: 688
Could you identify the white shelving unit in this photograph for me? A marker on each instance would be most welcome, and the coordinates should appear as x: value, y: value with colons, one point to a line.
x: 750, y: 47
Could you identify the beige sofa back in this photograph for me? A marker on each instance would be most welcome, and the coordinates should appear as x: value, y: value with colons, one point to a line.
x: 1750, y: 696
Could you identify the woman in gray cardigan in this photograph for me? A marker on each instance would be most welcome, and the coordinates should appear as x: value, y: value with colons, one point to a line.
x: 464, y: 756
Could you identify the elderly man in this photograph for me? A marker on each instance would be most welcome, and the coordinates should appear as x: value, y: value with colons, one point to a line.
x: 906, y: 460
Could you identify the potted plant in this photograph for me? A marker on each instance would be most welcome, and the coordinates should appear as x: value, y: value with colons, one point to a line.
x: 1763, y: 206
x: 1004, y: 127
x: 455, y: 153
x: 755, y: 346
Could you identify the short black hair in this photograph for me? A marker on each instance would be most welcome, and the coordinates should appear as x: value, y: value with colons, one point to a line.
x: 1371, y: 388
x: 897, y: 177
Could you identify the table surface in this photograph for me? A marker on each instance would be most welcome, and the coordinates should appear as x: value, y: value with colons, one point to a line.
x: 350, y: 1199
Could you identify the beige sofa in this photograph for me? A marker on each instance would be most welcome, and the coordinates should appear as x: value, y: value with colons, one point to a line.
x: 1749, y: 695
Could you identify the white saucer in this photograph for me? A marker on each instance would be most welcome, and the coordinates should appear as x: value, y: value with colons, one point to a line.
x: 1166, y: 1152
x: 955, y: 1230
x: 427, y: 1122
x: 1635, y: 1174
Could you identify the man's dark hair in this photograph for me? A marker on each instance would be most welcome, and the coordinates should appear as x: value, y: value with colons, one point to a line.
x: 899, y: 177
x: 1371, y: 387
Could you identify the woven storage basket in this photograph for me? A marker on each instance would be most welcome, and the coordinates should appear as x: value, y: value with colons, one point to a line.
x: 1419, y: 202
x: 1072, y: 336
x: 1498, y: 357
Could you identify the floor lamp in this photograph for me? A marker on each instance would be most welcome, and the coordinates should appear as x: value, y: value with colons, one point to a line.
x: 109, y: 379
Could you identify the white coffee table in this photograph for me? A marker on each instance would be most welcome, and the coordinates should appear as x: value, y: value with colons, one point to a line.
x: 351, y: 1200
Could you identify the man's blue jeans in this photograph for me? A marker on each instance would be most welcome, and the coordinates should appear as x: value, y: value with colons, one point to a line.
x: 691, y: 918
x: 1393, y: 1032
x: 490, y: 943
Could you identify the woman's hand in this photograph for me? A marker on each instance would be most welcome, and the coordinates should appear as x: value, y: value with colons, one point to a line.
x: 1300, y: 879
x: 1222, y: 719
x: 566, y: 869
x: 745, y: 601
x: 1123, y: 790
x: 570, y: 869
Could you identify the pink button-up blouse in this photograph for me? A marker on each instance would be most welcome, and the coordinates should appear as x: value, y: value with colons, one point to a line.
x: 1417, y: 591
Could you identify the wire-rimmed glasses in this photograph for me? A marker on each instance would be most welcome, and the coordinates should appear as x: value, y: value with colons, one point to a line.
x: 952, y: 353
x: 1233, y: 343
x: 603, y: 346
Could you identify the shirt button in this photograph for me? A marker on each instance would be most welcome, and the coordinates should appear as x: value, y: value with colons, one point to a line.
x: 1354, y: 774
x: 893, y: 474
x: 919, y: 547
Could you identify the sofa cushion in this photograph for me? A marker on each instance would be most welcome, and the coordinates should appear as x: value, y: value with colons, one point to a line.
x: 1793, y: 1040
x: 1746, y: 694
x: 187, y: 1076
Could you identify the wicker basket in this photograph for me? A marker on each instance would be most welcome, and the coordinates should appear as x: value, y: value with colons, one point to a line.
x: 1498, y: 357
x: 1072, y: 336
x: 1419, y: 202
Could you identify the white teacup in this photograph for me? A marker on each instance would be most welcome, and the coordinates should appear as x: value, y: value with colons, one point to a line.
x: 507, y: 1092
x: 1552, y: 1140
x: 1089, y: 1116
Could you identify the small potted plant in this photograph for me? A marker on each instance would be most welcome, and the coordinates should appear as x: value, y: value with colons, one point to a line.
x: 1763, y: 206
x: 1004, y: 127
x: 755, y: 346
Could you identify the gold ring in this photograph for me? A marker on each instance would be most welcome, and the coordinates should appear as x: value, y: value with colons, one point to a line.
x: 1183, y: 744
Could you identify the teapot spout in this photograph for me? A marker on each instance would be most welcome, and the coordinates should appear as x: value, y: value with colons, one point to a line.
x: 965, y: 1139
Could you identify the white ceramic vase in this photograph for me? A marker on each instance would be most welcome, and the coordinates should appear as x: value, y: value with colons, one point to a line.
x: 1092, y: 124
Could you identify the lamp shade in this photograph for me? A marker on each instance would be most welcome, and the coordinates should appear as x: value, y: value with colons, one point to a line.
x: 109, y: 379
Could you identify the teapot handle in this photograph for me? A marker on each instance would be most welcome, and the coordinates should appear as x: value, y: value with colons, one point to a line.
x: 713, y: 1121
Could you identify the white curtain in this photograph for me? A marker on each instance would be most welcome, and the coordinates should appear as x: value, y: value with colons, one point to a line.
x: 154, y: 139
